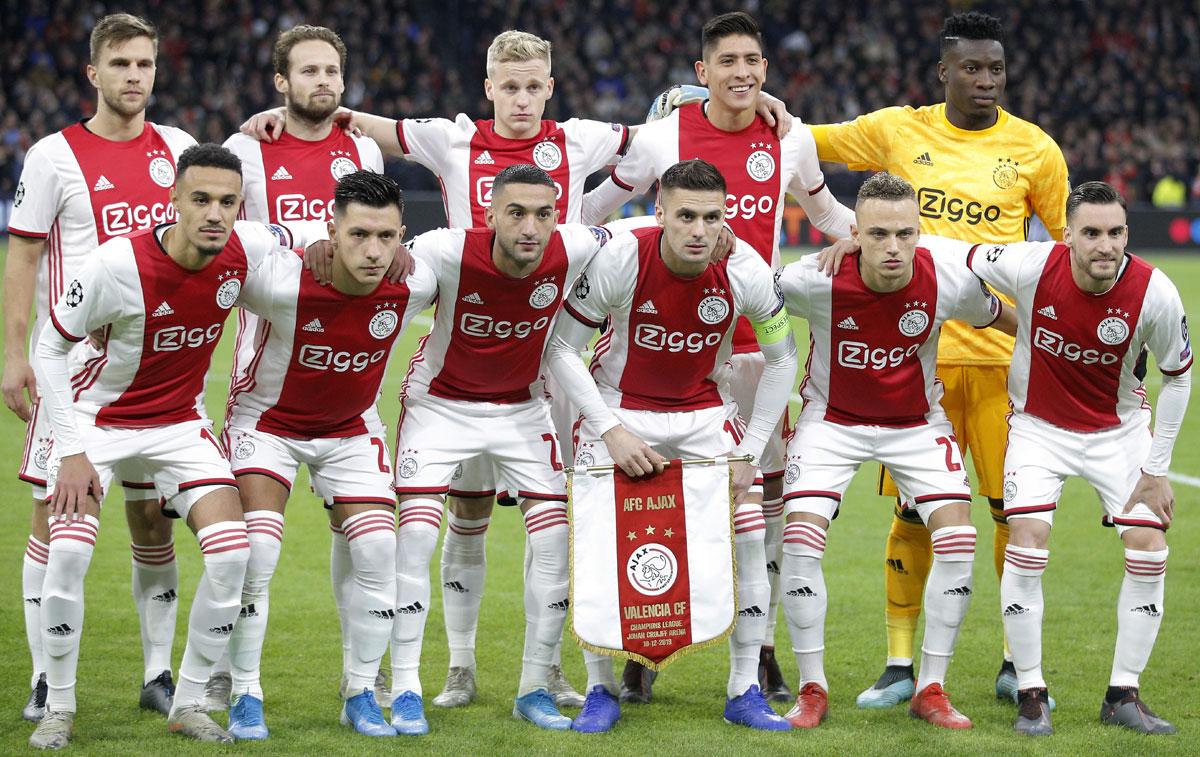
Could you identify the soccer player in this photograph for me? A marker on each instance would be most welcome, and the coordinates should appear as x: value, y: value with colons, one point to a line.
x: 1087, y: 311
x: 648, y: 403
x: 500, y: 289
x: 871, y: 393
x: 331, y: 342
x: 980, y: 174
x: 101, y: 178
x: 293, y: 179
x: 759, y: 168
x: 161, y: 298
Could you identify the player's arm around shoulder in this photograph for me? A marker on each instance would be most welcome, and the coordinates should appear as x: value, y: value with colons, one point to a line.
x: 862, y: 144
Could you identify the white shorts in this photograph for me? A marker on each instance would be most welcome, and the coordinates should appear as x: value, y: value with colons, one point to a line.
x: 343, y: 470
x: 822, y: 458
x: 1041, y: 456
x: 184, y: 460
x: 711, y: 432
x: 516, y: 443
x: 746, y: 368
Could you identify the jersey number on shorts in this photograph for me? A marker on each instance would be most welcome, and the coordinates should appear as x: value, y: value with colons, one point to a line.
x: 949, y: 442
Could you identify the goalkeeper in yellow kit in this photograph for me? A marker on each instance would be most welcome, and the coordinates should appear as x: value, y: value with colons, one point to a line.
x: 980, y: 174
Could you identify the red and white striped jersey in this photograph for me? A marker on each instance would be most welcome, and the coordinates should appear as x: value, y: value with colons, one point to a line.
x: 162, y: 323
x: 466, y: 155
x: 1077, y: 353
x: 78, y: 190
x: 293, y: 179
x: 321, y: 361
x: 489, y: 331
x: 667, y: 334
x: 758, y: 168
x: 872, y: 354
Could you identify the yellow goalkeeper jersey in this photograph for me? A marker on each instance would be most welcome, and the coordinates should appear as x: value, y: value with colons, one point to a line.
x: 978, y: 186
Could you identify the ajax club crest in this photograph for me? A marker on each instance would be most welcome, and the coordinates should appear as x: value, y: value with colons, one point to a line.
x: 544, y: 294
x: 383, y: 324
x: 760, y: 165
x: 915, y: 321
x: 1113, y: 330
x: 547, y: 156
x: 228, y: 291
x: 341, y: 165
x: 162, y: 171
x: 712, y: 309
x: 652, y: 569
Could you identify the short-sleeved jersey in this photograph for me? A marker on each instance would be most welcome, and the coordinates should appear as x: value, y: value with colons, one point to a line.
x: 322, y: 359
x: 489, y: 330
x: 1077, y: 353
x: 162, y: 323
x: 758, y: 168
x: 466, y: 155
x: 667, y: 334
x: 293, y: 179
x: 78, y: 190
x: 872, y: 355
x: 982, y: 185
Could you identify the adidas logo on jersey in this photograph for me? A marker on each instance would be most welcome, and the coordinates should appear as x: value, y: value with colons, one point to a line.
x: 455, y: 586
x: 485, y: 159
x: 848, y: 323
x: 224, y: 630
x: 281, y: 174
x: 473, y: 298
x: 1014, y: 609
x: 102, y: 184
x: 753, y: 611
x: 60, y: 630
x: 803, y: 591
x: 648, y: 308
x: 416, y: 608
x: 1048, y: 311
x: 1150, y: 610
x: 163, y: 309
x: 561, y: 604
x: 248, y: 611
x: 961, y: 591
x: 167, y: 596
x: 314, y: 326
x: 382, y: 614
x: 923, y: 159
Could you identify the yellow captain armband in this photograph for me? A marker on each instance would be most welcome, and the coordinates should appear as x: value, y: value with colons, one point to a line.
x: 775, y: 329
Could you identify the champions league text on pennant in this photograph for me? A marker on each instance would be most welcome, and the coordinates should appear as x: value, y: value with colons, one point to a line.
x: 652, y: 572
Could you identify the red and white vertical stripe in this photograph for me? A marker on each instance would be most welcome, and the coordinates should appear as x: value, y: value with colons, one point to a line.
x: 153, y: 554
x: 37, y: 552
x: 417, y: 511
x: 372, y: 521
x: 545, y: 516
x: 84, y: 530
x: 806, y: 534
x: 1142, y: 567
x: 223, y: 537
x: 960, y: 541
x: 748, y: 517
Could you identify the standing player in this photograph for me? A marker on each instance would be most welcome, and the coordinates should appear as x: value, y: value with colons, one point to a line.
x: 649, y: 403
x: 331, y: 342
x: 759, y: 168
x: 98, y: 179
x: 871, y: 393
x: 293, y: 179
x: 161, y: 297
x: 1086, y: 313
x: 980, y: 173
x: 500, y: 289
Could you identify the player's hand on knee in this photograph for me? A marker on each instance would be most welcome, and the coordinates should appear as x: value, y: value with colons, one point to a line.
x: 77, y: 479
x: 742, y: 475
x: 1155, y: 492
x: 318, y: 258
x: 402, y: 266
x: 266, y: 126
x: 829, y: 260
x: 631, y: 454
x: 774, y: 112
x: 20, y: 387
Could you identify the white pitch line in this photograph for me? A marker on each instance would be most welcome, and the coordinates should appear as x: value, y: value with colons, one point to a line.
x: 1183, y: 478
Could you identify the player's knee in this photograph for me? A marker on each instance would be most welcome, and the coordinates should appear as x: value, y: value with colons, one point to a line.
x: 470, y: 508
x: 1144, y: 539
x: 1030, y: 533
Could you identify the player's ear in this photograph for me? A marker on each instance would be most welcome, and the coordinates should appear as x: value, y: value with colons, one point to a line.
x: 331, y: 230
x: 659, y: 214
x: 854, y: 231
x: 403, y: 229
x: 941, y: 72
x: 488, y: 90
x: 281, y: 84
x: 550, y: 88
x: 701, y: 76
x: 489, y: 215
x: 93, y: 76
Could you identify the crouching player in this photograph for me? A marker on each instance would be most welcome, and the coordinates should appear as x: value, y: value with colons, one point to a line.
x: 650, y: 401
x: 871, y: 393
x: 308, y: 396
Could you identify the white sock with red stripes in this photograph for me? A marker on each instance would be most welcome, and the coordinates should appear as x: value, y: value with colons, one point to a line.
x: 804, y: 599
x: 1022, y: 605
x: 226, y: 550
x: 372, y: 539
x: 33, y: 575
x: 545, y: 592
x: 1139, y: 614
x: 464, y: 568
x: 264, y: 530
x: 72, y: 543
x: 420, y: 521
x: 341, y: 577
x: 773, y: 550
x: 155, y: 581
x: 754, y: 598
x: 947, y: 597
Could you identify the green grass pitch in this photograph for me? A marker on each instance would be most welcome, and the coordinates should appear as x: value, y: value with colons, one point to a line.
x: 301, y: 664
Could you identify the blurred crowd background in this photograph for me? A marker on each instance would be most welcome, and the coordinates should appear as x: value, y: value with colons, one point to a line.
x: 1115, y: 82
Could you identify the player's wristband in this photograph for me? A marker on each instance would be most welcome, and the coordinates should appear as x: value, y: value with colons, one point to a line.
x: 773, y: 330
